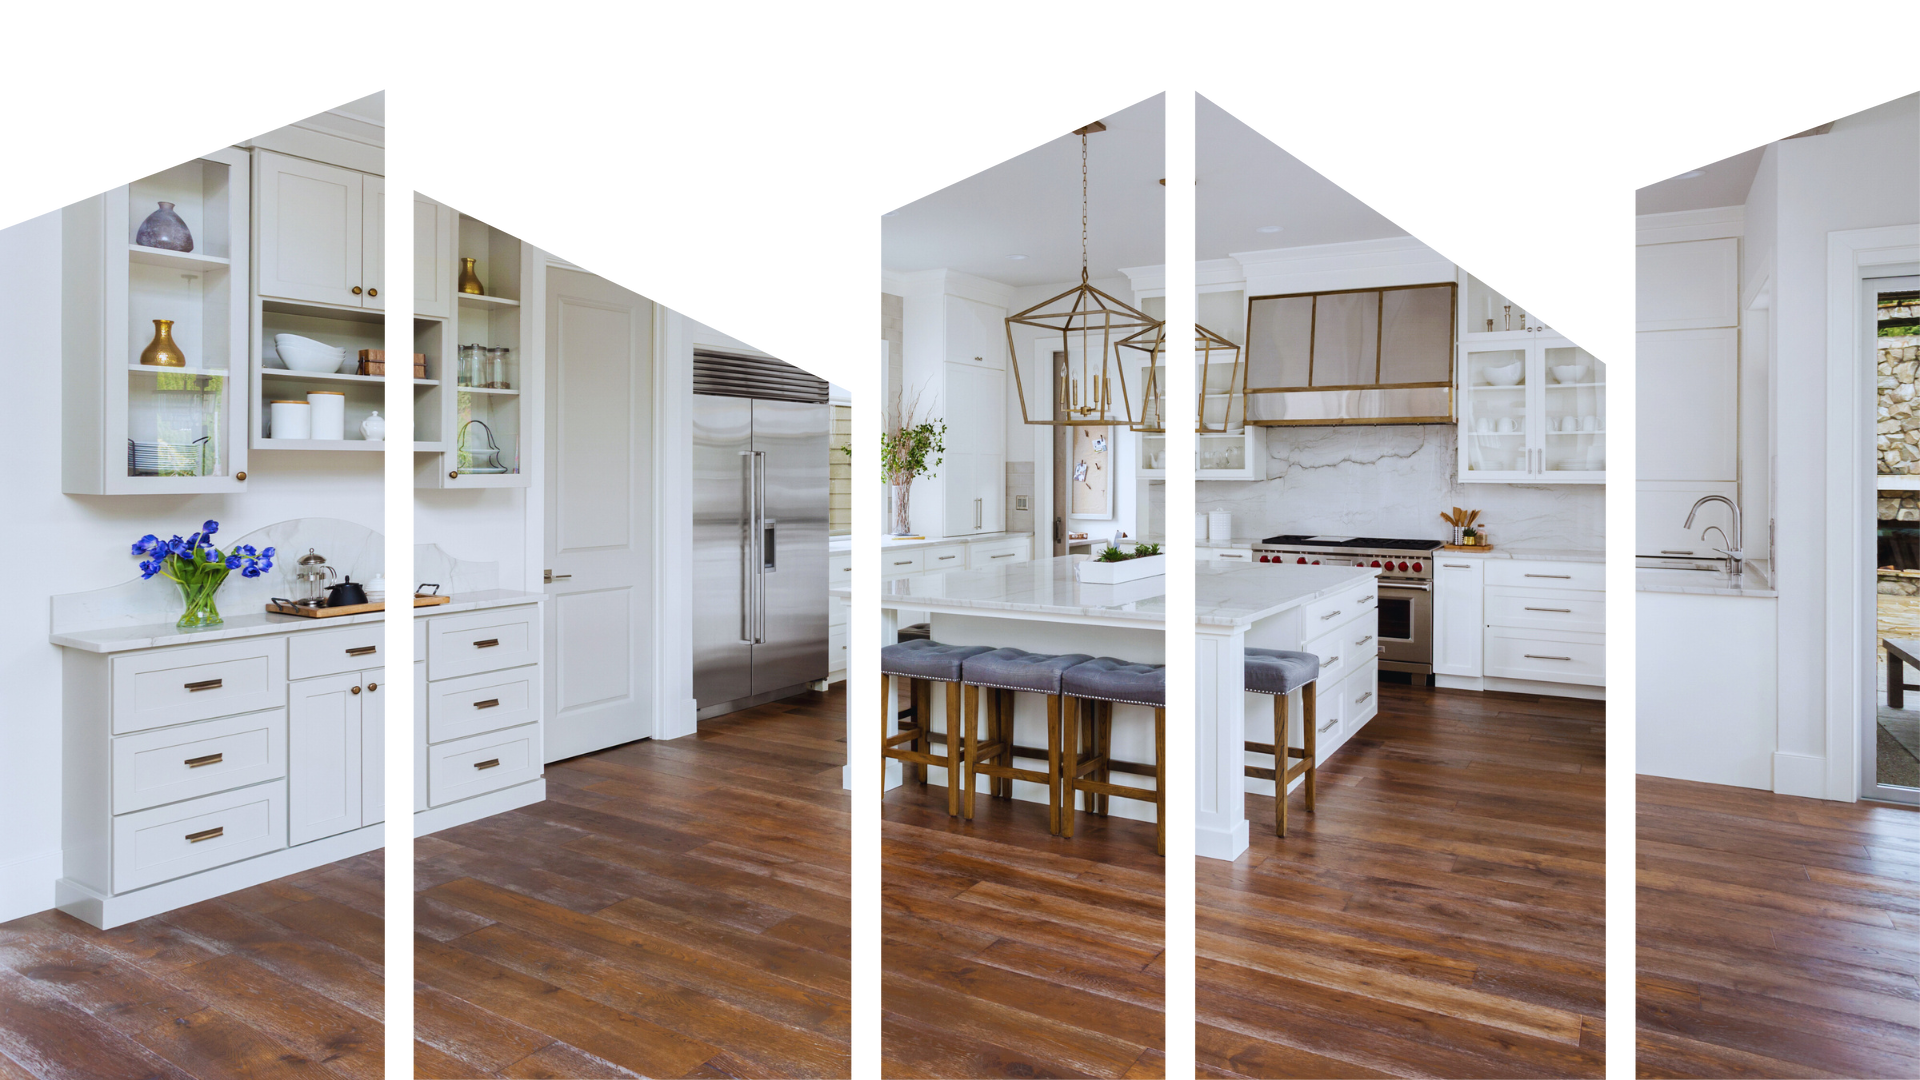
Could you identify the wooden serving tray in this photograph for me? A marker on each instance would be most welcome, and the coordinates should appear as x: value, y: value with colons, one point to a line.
x: 1466, y: 547
x: 350, y: 609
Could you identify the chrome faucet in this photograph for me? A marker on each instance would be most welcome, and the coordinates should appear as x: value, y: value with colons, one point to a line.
x: 1735, y: 555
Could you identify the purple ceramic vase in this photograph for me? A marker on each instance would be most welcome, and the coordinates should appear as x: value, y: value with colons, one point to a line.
x: 164, y: 229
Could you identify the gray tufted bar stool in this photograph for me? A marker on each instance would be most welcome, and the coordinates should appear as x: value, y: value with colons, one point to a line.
x: 922, y: 662
x: 1092, y: 690
x: 1277, y: 673
x: 1003, y: 673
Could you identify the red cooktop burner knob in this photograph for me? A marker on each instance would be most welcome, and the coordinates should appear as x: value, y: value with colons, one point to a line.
x: 1403, y: 567
x: 1263, y: 558
x: 1316, y: 562
x: 1416, y: 568
x: 1376, y: 563
x: 1303, y: 560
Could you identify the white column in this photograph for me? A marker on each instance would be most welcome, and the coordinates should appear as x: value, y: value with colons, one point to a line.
x: 1220, y: 733
x: 866, y: 631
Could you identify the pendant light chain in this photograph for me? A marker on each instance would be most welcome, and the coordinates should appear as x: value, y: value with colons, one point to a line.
x: 1083, y: 209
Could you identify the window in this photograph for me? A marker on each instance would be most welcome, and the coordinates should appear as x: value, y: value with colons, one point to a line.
x: 840, y: 473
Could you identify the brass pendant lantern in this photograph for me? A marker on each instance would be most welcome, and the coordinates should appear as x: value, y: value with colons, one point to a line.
x: 1211, y: 352
x: 1086, y: 394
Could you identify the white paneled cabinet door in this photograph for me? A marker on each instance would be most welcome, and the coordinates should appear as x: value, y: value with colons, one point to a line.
x: 1688, y: 394
x: 392, y: 742
x: 1687, y: 286
x: 406, y: 262
x: 793, y: 298
x: 310, y: 231
x: 323, y: 756
x: 975, y: 488
x: 1458, y: 616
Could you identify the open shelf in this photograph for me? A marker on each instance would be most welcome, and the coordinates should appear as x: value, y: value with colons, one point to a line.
x: 333, y: 376
x: 175, y: 260
x: 487, y: 390
x: 155, y: 369
x: 317, y: 444
x: 497, y: 301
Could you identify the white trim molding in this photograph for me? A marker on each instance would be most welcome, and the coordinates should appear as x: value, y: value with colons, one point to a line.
x: 1715, y: 223
x: 1361, y: 264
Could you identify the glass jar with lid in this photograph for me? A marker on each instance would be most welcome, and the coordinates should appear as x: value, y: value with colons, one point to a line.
x: 497, y: 377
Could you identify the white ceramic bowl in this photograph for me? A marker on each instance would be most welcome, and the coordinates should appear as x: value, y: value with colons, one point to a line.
x: 1505, y: 376
x: 306, y: 354
x: 1568, y: 373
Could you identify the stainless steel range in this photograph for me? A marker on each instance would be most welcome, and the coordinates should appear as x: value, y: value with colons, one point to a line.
x: 1406, y: 588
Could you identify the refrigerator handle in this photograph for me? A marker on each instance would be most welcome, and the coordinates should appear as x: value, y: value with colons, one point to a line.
x: 749, y: 574
x: 763, y: 558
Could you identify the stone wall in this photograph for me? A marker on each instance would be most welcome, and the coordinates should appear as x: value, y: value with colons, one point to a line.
x: 1899, y: 506
x: 1898, y: 434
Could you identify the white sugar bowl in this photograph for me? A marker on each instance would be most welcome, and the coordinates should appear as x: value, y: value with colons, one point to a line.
x: 374, y: 428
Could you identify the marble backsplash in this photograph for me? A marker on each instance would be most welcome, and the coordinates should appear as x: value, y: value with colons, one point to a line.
x: 1394, y: 480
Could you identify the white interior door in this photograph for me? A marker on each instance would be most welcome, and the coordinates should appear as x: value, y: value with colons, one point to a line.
x: 599, y: 492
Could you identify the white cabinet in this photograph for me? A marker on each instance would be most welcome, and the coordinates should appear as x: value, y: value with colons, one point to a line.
x: 318, y: 231
x: 1545, y: 622
x: 1533, y: 410
x: 373, y: 749
x: 1458, y: 607
x: 479, y: 692
x: 327, y: 728
x: 954, y: 363
x: 757, y: 293
x: 469, y: 426
x: 976, y: 333
x: 434, y: 269
x: 1688, y: 395
x: 975, y: 470
x: 1688, y: 285
x: 419, y: 729
x: 1659, y: 526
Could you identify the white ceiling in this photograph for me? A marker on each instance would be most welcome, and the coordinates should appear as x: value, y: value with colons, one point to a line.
x: 984, y: 173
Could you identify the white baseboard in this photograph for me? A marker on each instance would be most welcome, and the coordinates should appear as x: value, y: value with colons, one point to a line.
x: 1460, y: 682
x: 1804, y: 775
x: 1225, y: 846
x: 434, y: 819
x: 1521, y: 686
x: 686, y: 722
x: 26, y: 885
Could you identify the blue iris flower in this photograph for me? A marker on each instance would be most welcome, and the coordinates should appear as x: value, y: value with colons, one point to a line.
x: 248, y: 550
x: 250, y: 572
x: 233, y: 562
x: 145, y: 544
x: 148, y: 568
x: 177, y: 546
x: 266, y: 553
x: 213, y: 556
x: 210, y: 527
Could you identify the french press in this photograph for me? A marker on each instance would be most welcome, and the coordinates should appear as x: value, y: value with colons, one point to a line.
x: 313, y: 577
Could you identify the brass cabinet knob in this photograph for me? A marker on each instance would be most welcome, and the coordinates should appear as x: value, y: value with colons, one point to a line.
x: 356, y: 689
x: 372, y: 686
x: 373, y: 292
x: 241, y: 476
x: 454, y: 475
x: 356, y: 290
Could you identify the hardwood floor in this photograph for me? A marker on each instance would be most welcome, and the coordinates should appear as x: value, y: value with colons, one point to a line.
x: 680, y: 909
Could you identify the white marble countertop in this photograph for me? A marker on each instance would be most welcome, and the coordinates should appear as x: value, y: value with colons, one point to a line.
x: 889, y: 543
x: 1542, y: 554
x: 1229, y: 595
x: 258, y: 623
x: 1755, y: 583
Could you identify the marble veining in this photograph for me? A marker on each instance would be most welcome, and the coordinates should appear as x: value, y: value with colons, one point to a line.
x: 1394, y: 480
x: 352, y: 550
x: 1224, y: 594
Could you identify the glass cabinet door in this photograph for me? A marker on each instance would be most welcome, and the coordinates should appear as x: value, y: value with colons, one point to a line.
x: 1574, y: 413
x: 1494, y: 417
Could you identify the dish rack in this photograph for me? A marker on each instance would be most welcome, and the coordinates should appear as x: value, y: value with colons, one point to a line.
x: 168, y: 459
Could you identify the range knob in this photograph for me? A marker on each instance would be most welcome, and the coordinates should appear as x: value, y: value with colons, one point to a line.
x: 1416, y: 568
x: 1376, y: 564
x: 1316, y: 562
x: 1263, y: 558
x: 1303, y: 560
x: 1403, y: 567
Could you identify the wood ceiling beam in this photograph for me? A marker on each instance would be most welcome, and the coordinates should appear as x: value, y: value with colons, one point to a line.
x: 1811, y: 110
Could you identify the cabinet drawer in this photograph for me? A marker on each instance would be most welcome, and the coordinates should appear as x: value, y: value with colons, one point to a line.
x: 1328, y: 612
x: 332, y: 652
x: 843, y: 569
x: 839, y: 569
x: 1344, y: 648
x: 1329, y: 706
x: 1359, y: 698
x: 1230, y: 555
x: 1547, y: 609
x: 157, y: 767
x: 999, y: 552
x: 468, y: 767
x: 837, y: 649
x: 163, y: 843
x: 1547, y: 656
x: 177, y: 686
x: 896, y: 563
x: 483, y: 641
x: 1531, y: 574
x: 945, y: 557
x: 837, y: 608
x: 457, y: 708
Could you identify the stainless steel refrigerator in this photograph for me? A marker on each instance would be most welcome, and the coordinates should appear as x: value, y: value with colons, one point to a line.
x: 760, y: 430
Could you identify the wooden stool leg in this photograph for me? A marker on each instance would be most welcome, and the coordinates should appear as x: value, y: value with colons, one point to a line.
x: 1053, y: 764
x: 1009, y: 705
x: 1312, y: 723
x: 953, y: 749
x: 1282, y: 738
x: 970, y: 717
x: 1103, y: 749
x: 923, y: 716
x: 1069, y: 763
x: 1160, y: 779
x: 886, y: 728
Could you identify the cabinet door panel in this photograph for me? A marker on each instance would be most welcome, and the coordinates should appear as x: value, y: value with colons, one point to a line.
x: 406, y: 258
x: 323, y: 757
x: 793, y: 298
x: 1688, y: 285
x: 1689, y: 405
x: 310, y: 230
x: 394, y: 742
x: 1458, y: 616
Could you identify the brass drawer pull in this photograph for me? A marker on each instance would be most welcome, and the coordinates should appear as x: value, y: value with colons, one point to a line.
x: 1329, y: 724
x: 908, y: 562
x: 1456, y: 566
x: 209, y: 759
x: 1534, y: 656
x: 204, y: 684
x: 1006, y: 555
x: 1364, y: 640
x: 487, y: 644
x: 1563, y: 576
x: 1363, y: 697
x: 1667, y: 551
x: 939, y: 558
x: 363, y: 650
x: 487, y: 764
x: 205, y: 834
x: 487, y: 704
x: 1561, y: 610
x: 1328, y: 615
x: 372, y: 686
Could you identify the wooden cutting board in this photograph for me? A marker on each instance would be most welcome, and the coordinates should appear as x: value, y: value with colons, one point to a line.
x: 350, y: 609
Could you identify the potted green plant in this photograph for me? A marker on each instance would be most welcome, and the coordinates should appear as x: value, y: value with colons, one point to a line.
x: 910, y: 448
x: 1115, y: 564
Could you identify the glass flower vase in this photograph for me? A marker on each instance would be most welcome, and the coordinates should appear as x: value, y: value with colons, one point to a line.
x: 201, y: 609
x: 902, y: 519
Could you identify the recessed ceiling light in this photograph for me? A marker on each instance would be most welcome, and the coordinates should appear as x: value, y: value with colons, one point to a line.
x: 1691, y: 175
x: 1270, y: 228
x: 1016, y: 258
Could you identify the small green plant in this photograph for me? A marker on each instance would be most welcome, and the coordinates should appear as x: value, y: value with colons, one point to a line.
x: 1142, y: 551
x: 1113, y: 554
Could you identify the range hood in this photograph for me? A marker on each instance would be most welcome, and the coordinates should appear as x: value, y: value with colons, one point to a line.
x: 1353, y: 356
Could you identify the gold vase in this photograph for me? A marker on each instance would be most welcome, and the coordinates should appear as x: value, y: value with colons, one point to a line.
x: 161, y: 351
x: 470, y: 281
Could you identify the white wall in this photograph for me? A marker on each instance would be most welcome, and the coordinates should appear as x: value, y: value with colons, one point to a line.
x: 79, y: 542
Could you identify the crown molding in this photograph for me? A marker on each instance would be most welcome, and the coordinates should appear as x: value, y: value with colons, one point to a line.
x: 1359, y: 264
x: 944, y: 282
x: 1209, y: 275
x: 1677, y: 226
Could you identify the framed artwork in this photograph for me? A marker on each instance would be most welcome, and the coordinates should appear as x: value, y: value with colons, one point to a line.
x: 1092, y: 477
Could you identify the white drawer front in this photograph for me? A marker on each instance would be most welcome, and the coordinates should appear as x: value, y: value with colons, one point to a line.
x: 333, y: 652
x: 1532, y: 574
x: 945, y: 557
x: 483, y: 641
x: 1359, y: 698
x: 176, y: 686
x: 853, y: 569
x: 1329, y: 706
x: 1329, y: 612
x: 837, y: 649
x: 1231, y: 555
x: 1547, y: 609
x: 467, y: 706
x: 166, y: 842
x: 1547, y: 656
x: 896, y: 563
x: 1000, y: 552
x: 468, y: 767
x: 157, y: 767
x: 1343, y: 649
x: 419, y: 638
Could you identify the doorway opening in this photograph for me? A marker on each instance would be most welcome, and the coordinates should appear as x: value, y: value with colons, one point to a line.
x: 1893, y: 750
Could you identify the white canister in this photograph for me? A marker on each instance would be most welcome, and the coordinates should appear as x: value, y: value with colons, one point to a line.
x: 1220, y: 526
x: 1200, y: 527
x: 290, y: 420
x: 329, y: 414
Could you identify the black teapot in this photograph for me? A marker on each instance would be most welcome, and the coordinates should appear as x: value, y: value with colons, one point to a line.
x: 345, y: 594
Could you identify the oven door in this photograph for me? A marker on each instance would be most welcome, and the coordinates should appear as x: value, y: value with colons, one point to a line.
x: 1406, y: 627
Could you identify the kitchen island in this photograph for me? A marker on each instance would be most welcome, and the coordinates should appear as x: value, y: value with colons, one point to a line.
x: 1039, y: 606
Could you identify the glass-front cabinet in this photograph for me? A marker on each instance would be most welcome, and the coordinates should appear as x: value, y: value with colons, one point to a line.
x: 154, y: 285
x: 1533, y: 409
x: 475, y: 440
x: 1560, y: 296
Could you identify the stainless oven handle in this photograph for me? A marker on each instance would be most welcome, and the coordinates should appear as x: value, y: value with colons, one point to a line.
x: 1410, y: 586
